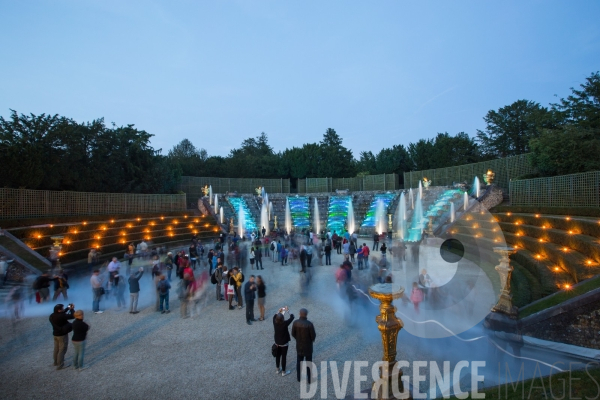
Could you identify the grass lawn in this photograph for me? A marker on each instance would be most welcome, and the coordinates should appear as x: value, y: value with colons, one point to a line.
x: 581, y: 384
x: 560, y: 297
x: 24, y: 254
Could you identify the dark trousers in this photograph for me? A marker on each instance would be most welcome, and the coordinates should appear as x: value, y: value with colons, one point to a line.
x: 300, y: 358
x: 375, y: 245
x: 61, y: 344
x: 327, y: 258
x: 249, y: 309
x: 259, y: 263
x: 308, y: 260
x: 281, y: 357
x: 303, y: 264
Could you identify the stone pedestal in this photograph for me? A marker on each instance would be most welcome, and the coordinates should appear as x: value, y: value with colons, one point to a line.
x: 505, y: 271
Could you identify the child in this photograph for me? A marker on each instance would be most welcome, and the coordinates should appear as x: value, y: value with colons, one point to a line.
x: 80, y: 329
x: 416, y: 296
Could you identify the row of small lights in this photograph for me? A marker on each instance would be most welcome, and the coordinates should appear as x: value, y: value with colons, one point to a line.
x: 104, y: 228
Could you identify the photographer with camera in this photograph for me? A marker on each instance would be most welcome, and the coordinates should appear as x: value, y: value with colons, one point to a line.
x: 60, y: 329
x: 282, y: 339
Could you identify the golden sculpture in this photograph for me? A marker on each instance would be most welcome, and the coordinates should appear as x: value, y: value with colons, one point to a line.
x: 489, y: 176
x: 275, y: 223
x: 231, y: 231
x: 429, y: 230
x: 389, y: 222
x: 426, y: 183
x: 504, y: 269
x: 205, y: 190
x: 389, y: 325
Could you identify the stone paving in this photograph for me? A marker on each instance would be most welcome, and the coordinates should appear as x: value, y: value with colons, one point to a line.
x: 215, y: 355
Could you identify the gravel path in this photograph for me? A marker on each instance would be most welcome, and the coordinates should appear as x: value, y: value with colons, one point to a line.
x: 215, y: 355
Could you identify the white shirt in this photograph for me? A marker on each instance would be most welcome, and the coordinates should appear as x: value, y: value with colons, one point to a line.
x: 143, y: 246
x: 113, y: 266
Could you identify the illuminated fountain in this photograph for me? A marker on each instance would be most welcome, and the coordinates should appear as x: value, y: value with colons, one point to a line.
x: 351, y: 224
x: 264, y: 217
x: 475, y: 188
x: 241, y: 221
x: 418, y: 222
x: 210, y: 194
x: 216, y: 203
x: 465, y: 201
x: 412, y: 199
x: 452, y: 213
x: 316, y: 218
x: 221, y: 215
x: 380, y: 217
x: 420, y: 190
x: 299, y: 211
x: 374, y: 218
x: 288, y: 216
x: 337, y: 213
x: 248, y: 224
x: 270, y: 210
x: 401, y: 218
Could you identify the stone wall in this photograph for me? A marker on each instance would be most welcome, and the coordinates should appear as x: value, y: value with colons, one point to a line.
x: 576, y: 322
x: 492, y: 197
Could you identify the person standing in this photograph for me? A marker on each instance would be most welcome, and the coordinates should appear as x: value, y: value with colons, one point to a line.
x: 113, y: 269
x: 328, y: 251
x: 258, y: 257
x: 130, y: 255
x: 304, y: 333
x: 365, y: 254
x: 352, y: 250
x: 218, y: 274
x: 61, y: 285
x: 261, y: 291
x: 239, y: 278
x: 249, y: 292
x: 303, y: 258
x: 60, y: 329
x: 120, y: 291
x: 169, y: 265
x: 80, y: 330
x: 163, y: 288
x: 282, y: 340
x: 97, y: 291
x: 264, y: 231
x: 134, y: 290
x: 375, y: 241
x: 252, y: 257
x: 3, y: 269
x: 309, y: 251
x: 383, y: 250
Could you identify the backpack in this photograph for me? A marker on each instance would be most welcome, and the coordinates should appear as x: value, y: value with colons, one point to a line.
x: 243, y: 277
x: 213, y: 279
x: 37, y: 284
x: 162, y: 287
x: 272, y: 246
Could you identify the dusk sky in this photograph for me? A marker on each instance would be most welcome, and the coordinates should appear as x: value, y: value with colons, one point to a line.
x: 217, y: 72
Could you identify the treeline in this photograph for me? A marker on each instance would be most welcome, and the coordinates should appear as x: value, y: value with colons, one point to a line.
x: 57, y: 153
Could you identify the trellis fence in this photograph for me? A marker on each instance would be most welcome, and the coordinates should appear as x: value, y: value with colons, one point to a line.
x: 505, y: 169
x: 575, y: 190
x: 25, y: 203
x: 193, y: 185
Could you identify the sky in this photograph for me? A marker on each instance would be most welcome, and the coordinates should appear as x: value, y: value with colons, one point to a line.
x: 218, y: 72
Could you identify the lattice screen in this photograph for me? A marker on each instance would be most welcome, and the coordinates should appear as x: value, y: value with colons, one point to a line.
x: 505, y: 169
x: 575, y: 190
x: 24, y: 203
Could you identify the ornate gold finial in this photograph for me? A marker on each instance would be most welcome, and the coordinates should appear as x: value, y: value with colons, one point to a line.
x: 205, y: 190
x: 426, y: 183
x: 275, y: 223
x: 258, y: 191
x: 489, y: 176
x: 231, y: 230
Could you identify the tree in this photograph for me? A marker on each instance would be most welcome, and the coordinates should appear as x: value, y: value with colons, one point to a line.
x: 335, y: 160
x: 509, y: 130
x: 573, y: 144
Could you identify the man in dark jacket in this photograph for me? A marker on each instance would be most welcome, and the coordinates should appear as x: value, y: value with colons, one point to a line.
x: 304, y: 333
x: 258, y: 257
x: 134, y: 290
x: 303, y: 258
x: 249, y: 294
x: 60, y: 329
